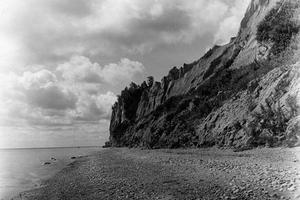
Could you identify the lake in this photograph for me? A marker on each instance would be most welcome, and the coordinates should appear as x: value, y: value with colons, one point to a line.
x: 24, y: 169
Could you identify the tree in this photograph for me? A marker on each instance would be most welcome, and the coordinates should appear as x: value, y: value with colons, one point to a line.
x: 279, y: 27
x: 150, y: 81
x: 133, y: 86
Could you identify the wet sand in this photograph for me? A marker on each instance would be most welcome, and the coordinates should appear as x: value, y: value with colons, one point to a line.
x: 177, y: 174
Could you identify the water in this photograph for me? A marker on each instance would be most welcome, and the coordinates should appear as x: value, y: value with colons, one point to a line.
x: 23, y: 169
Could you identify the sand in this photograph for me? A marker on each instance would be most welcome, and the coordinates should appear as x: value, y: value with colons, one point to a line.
x: 121, y: 173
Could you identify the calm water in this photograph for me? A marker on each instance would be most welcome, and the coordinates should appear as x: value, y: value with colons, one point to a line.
x: 23, y: 169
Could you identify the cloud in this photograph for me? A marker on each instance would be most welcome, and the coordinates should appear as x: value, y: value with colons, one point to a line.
x: 51, y: 97
x: 81, y: 69
x: 73, y: 8
x: 41, y: 89
x: 42, y: 78
x: 150, y: 24
x: 122, y: 71
x: 230, y: 25
x: 67, y: 95
x: 94, y: 108
x: 52, y: 31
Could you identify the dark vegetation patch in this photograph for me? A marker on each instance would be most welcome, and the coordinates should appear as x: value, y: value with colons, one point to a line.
x: 214, y: 64
x: 269, y: 125
x: 130, y: 98
x: 212, y: 67
x: 278, y: 26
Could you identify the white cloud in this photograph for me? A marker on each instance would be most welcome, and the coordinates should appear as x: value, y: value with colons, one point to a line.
x: 123, y: 71
x: 156, y: 10
x: 39, y: 79
x: 94, y: 108
x: 48, y: 31
x: 10, y: 51
x: 41, y: 89
x: 69, y: 94
x: 81, y: 69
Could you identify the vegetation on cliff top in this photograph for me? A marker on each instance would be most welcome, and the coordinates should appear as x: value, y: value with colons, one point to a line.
x: 278, y: 26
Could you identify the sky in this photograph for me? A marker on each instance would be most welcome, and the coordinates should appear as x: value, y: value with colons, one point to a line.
x: 63, y: 62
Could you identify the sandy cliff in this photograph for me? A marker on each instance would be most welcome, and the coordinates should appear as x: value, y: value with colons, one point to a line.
x: 242, y: 94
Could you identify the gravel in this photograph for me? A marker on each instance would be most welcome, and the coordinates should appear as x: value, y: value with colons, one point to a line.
x: 177, y: 174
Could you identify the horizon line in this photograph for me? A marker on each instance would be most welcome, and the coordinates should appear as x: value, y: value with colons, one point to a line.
x: 59, y: 147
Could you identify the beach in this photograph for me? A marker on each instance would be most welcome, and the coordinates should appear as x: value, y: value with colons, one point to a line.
x: 122, y: 173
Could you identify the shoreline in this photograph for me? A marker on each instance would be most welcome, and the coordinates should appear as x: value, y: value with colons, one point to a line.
x: 121, y: 173
x: 43, y: 182
x: 29, y: 169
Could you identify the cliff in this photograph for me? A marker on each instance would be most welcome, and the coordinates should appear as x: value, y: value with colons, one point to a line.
x: 242, y: 94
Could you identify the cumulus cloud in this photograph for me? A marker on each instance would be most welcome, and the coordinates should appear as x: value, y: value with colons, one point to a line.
x: 121, y: 71
x: 41, y: 89
x: 65, y: 96
x: 51, y: 97
x: 94, y: 108
x: 81, y: 69
x: 42, y: 78
x: 92, y: 28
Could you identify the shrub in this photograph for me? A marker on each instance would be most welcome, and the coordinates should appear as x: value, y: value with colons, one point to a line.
x: 107, y: 144
x: 278, y: 26
x: 269, y: 126
x: 150, y: 81
x: 292, y: 104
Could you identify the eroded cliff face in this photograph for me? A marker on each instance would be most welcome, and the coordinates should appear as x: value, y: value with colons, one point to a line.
x: 217, y: 99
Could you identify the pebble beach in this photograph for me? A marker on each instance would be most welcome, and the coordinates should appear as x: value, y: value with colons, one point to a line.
x: 122, y: 173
